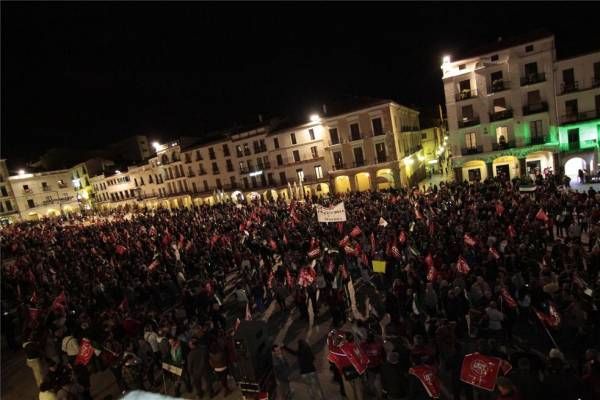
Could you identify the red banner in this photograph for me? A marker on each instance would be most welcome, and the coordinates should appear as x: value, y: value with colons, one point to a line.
x: 551, y: 318
x: 86, y: 351
x: 120, y: 249
x: 357, y: 357
x: 428, y: 378
x: 482, y: 371
x: 541, y: 215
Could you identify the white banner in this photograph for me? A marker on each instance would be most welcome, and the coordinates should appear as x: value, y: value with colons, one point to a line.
x: 332, y: 214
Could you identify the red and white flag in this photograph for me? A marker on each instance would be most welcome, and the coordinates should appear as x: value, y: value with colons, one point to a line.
x: 307, y: 276
x: 153, y: 265
x: 494, y: 253
x: 469, y: 240
x: 344, y: 241
x: 432, y: 274
x: 508, y: 299
x: 541, y: 216
x: 349, y: 250
x: 462, y: 266
x: 482, y: 371
x: 551, y: 318
x: 355, y: 231
x: 357, y: 357
x: 395, y: 252
x: 86, y: 351
x: 428, y: 378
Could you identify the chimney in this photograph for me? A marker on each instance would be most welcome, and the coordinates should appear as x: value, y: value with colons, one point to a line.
x: 260, y: 118
x: 324, y: 107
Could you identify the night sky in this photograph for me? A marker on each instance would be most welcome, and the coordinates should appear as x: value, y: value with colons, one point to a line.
x: 81, y: 75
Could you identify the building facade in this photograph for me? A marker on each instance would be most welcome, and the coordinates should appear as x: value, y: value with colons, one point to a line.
x: 45, y: 194
x: 509, y: 114
x: 8, y: 206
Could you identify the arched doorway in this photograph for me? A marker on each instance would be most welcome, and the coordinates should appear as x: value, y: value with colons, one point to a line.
x: 363, y: 181
x: 322, y: 189
x: 384, y: 179
x: 253, y: 196
x: 538, y: 162
x: 473, y: 171
x: 506, y: 167
x: 573, y: 166
x: 53, y: 213
x: 342, y: 184
x: 33, y: 216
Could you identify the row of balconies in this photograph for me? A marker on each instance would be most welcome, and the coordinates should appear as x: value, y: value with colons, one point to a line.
x: 580, y: 116
x: 575, y: 86
x: 499, y: 86
x: 505, y: 114
x: 504, y: 145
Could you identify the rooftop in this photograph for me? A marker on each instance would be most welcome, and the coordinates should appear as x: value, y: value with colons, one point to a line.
x: 503, y: 43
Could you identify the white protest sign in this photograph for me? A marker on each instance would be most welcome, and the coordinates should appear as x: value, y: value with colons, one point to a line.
x: 331, y: 214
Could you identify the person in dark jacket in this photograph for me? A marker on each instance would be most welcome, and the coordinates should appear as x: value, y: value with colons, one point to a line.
x: 560, y: 383
x: 308, y: 372
x: 197, y: 366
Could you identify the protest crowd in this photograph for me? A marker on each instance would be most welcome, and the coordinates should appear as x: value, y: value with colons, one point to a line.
x: 432, y: 284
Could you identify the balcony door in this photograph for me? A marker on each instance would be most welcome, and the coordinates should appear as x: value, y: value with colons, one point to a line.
x: 531, y: 69
x: 464, y: 88
x: 380, y: 152
x: 568, y: 76
x: 496, y: 81
x: 499, y: 105
x: 571, y: 108
x: 502, y: 136
x: 471, y: 140
x: 573, y: 139
x: 359, y: 158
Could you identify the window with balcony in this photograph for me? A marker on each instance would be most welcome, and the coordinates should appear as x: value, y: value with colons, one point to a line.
x: 314, y: 152
x: 238, y: 150
x: 333, y: 136
x: 256, y: 147
x: 215, y: 168
x: 311, y: 134
x: 573, y: 135
x: 30, y: 203
x: 1, y: 208
x: 259, y: 163
x: 572, y: 109
x: 205, y: 184
x: 496, y: 82
x: 4, y: 192
x: 229, y: 165
x: 359, y: 159
x: 254, y: 181
x: 471, y: 140
x: 494, y: 57
x: 300, y: 174
x: 537, y: 134
x: 569, y: 84
x: 380, y: 152
x: 246, y: 149
x: 282, y: 178
x: 211, y: 153
x: 293, y: 138
x: 26, y: 188
x: 249, y: 165
x: 188, y: 158
x: 279, y: 160
x: 232, y: 182
x: 219, y: 186
x: 296, y: 155
x: 464, y: 90
x: 318, y: 172
x: 501, y: 138
x: 276, y: 143
x: 263, y: 145
x: 226, y: 150
x: 468, y: 117
x: 270, y: 179
x: 532, y: 75
x: 377, y: 126
x: 355, y: 131
x: 534, y: 103
x: 338, y: 160
x: 500, y: 110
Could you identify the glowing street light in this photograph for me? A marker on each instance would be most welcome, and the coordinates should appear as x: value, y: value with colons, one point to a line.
x: 446, y: 59
x: 21, y: 172
x: 156, y: 146
x: 117, y: 172
x: 315, y: 118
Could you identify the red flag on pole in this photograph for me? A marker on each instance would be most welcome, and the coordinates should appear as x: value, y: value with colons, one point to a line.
x: 541, y: 215
x: 60, y: 302
x: 402, y: 237
x: 355, y: 231
x: 340, y: 227
x: 428, y: 378
x: 494, y: 253
x: 86, y: 351
x: 462, y: 266
x: 469, y: 240
x: 482, y: 371
x: 551, y: 318
x: 395, y: 252
x: 508, y: 299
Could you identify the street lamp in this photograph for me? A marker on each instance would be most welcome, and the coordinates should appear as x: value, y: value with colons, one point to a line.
x: 315, y: 118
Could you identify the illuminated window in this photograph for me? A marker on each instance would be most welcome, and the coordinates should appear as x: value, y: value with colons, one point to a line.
x: 471, y: 140
x: 319, y: 172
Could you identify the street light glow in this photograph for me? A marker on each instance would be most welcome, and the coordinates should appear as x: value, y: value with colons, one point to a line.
x: 117, y: 172
x: 315, y: 118
x: 156, y: 146
x: 21, y: 172
x: 446, y: 59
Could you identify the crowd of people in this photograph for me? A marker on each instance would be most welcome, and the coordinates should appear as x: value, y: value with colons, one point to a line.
x: 469, y: 267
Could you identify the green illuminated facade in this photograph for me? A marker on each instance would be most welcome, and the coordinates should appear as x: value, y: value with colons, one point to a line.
x: 580, y: 136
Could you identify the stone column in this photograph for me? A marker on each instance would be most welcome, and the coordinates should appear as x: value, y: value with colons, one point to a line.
x: 522, y: 167
x: 458, y: 174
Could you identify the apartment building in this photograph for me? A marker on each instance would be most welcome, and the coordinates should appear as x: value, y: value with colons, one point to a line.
x: 577, y: 88
x: 8, y: 206
x: 501, y: 109
x: 45, y: 194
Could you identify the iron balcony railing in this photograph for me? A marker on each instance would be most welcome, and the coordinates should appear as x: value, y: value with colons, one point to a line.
x: 569, y: 87
x: 503, y: 146
x: 468, y: 121
x: 498, y: 86
x: 500, y: 115
x: 471, y: 150
x: 581, y: 116
x: 538, y: 139
x: 466, y: 94
x: 530, y: 79
x: 535, y: 108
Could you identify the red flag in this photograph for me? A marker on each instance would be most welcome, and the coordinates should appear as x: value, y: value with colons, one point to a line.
x: 86, y: 351
x: 482, y: 371
x: 273, y: 245
x: 120, y: 249
x: 402, y: 237
x: 307, y: 276
x: 499, y: 208
x: 355, y: 231
x: 494, y: 253
x: 60, y: 302
x: 551, y: 318
x: 153, y: 265
x: 428, y: 378
x: 314, y: 253
x: 344, y: 241
x: 432, y: 274
x: 429, y: 260
x: 469, y: 240
x: 511, y: 231
x: 357, y: 357
x: 508, y: 299
x: 462, y: 266
x: 541, y: 215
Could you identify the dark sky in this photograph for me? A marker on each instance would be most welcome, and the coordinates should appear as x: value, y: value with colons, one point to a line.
x: 86, y: 74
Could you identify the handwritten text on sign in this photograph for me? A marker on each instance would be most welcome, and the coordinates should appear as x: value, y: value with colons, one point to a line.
x: 331, y: 214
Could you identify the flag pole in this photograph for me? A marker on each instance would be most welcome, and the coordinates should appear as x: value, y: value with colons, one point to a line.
x: 549, y: 334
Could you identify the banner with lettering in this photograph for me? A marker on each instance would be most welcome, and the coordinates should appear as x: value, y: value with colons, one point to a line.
x: 336, y: 213
x: 482, y: 371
